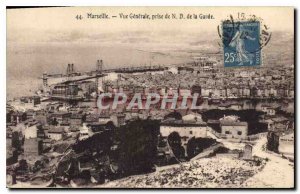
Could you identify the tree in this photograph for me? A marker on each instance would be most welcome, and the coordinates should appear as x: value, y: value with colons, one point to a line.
x: 175, y: 115
x: 190, y: 148
x: 174, y: 140
x: 138, y: 146
x: 22, y: 167
x: 16, y: 143
x: 197, y: 145
x: 38, y: 165
x: 273, y: 141
x: 99, y: 142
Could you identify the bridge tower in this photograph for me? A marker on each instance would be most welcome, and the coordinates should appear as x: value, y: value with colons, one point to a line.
x: 99, y: 68
x: 45, y: 79
x: 70, y: 70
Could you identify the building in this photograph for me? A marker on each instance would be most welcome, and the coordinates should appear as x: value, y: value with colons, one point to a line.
x: 74, y: 129
x: 30, y: 114
x: 196, y: 89
x: 104, y: 118
x: 268, y: 110
x: 186, y: 129
x: 247, y: 154
x: 231, y: 127
x: 269, y: 122
x: 30, y: 132
x: 286, y: 145
x: 56, y: 133
x: 91, y: 118
x: 34, y: 100
x: 118, y: 119
x: 59, y: 117
x: 54, y: 106
x: 76, y: 119
x: 84, y: 133
x: 236, y: 106
x: 32, y: 147
x: 41, y: 133
x: 47, y: 143
x: 41, y: 117
x: 17, y: 117
x: 64, y: 90
x: 231, y: 106
x: 192, y: 117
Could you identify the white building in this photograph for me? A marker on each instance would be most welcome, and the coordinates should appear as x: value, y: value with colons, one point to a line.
x: 190, y: 126
x: 30, y: 132
x: 56, y: 133
x: 286, y: 145
x: 231, y: 127
x: 268, y: 110
x: 236, y: 130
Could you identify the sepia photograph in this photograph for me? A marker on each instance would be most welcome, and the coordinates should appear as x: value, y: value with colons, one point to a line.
x: 150, y: 97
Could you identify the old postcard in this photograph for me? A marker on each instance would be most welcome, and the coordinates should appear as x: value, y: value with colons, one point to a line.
x: 150, y: 97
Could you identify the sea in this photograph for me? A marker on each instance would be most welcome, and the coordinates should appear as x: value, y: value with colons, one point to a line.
x: 27, y: 62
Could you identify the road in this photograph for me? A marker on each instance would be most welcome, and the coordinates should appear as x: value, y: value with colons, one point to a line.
x: 278, y: 172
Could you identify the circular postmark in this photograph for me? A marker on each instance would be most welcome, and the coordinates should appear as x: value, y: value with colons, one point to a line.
x: 244, y: 28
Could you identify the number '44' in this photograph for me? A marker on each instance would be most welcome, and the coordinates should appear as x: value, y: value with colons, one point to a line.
x: 79, y: 17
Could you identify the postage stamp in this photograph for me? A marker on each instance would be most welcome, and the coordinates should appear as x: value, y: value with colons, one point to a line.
x: 241, y: 43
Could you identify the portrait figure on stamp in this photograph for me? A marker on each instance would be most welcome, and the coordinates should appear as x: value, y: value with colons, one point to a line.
x: 238, y: 42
